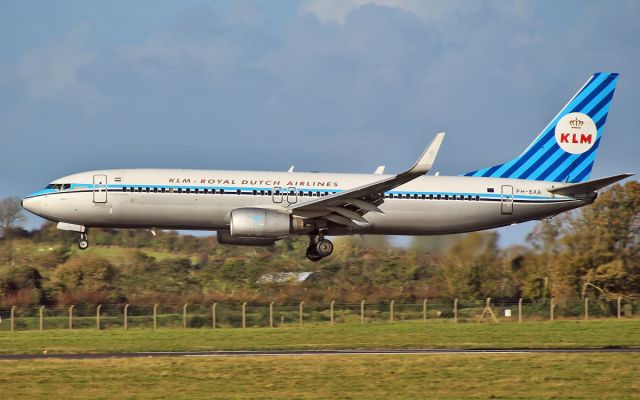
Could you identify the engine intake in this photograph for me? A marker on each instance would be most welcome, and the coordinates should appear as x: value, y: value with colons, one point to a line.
x: 263, y: 223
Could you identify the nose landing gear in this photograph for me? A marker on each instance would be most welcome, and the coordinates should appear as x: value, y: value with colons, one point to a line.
x: 83, y: 242
x: 319, y: 247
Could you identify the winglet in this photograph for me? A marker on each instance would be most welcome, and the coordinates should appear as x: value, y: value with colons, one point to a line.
x: 426, y: 160
x: 379, y: 170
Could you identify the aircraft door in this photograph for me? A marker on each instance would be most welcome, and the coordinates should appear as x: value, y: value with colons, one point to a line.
x: 277, y: 194
x: 506, y: 201
x: 99, y: 188
x: 292, y: 195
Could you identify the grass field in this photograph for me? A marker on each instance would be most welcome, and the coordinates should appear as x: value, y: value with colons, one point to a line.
x: 416, y: 334
x: 521, y: 376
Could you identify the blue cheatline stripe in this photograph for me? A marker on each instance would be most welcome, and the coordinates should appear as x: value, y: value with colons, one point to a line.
x: 594, y: 85
x: 231, y: 190
x: 561, y: 174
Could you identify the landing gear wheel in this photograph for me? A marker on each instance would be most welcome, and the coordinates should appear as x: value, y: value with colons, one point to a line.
x: 323, y: 248
x: 312, y: 255
x: 83, y: 243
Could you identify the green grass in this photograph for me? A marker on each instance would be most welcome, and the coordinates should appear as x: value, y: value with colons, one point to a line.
x: 519, y: 376
x: 417, y: 334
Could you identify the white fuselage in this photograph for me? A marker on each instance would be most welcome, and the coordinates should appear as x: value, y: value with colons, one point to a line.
x: 203, y: 199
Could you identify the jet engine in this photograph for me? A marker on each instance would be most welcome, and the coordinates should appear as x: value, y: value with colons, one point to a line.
x: 263, y: 223
x: 224, y: 237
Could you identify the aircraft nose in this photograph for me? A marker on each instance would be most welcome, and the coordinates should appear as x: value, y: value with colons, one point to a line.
x: 30, y: 204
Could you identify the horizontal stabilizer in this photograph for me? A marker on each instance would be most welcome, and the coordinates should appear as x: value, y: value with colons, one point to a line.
x: 589, y: 186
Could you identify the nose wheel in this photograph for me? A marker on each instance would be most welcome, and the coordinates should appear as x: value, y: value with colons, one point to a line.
x: 319, y: 248
x: 83, y: 242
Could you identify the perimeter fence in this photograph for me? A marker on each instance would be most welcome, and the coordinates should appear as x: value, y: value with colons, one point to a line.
x: 259, y: 314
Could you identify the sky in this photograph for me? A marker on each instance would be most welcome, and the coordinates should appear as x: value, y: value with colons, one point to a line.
x: 335, y: 85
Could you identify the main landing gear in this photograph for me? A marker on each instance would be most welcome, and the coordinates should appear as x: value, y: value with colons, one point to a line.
x: 83, y: 242
x: 319, y: 247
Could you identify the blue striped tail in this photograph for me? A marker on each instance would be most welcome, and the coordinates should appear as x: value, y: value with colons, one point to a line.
x: 566, y: 148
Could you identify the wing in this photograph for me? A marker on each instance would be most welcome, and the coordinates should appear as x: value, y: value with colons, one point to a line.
x: 350, y: 205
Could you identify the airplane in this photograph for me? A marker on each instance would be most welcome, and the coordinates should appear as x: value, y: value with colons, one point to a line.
x: 258, y: 208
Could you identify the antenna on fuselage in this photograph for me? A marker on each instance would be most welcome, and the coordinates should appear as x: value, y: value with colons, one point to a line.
x: 291, y: 168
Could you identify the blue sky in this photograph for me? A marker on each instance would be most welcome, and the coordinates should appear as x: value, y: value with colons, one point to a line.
x: 337, y: 85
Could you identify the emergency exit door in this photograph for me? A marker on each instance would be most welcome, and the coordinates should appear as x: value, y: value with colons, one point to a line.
x: 506, y: 203
x: 99, y: 188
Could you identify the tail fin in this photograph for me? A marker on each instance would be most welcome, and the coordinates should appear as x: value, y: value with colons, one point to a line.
x: 565, y: 150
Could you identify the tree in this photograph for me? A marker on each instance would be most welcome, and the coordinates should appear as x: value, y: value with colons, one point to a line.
x: 10, y: 214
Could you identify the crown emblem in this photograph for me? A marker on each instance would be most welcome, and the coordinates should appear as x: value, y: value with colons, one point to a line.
x: 576, y: 123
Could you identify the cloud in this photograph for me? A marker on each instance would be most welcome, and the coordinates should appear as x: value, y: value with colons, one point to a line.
x: 53, y: 70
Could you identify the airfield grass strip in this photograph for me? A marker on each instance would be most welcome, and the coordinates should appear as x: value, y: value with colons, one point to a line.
x: 514, y: 376
x: 401, y: 335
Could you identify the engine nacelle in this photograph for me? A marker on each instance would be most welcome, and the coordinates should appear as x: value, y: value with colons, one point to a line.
x: 262, y: 223
x: 224, y: 237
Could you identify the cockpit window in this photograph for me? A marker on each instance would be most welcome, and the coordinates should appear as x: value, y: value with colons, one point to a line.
x: 58, y: 186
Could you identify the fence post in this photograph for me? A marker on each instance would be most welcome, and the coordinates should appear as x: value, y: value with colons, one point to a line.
x: 362, y: 311
x: 71, y: 316
x: 424, y: 310
x: 213, y: 315
x: 244, y: 314
x: 155, y: 317
x: 184, y: 315
x: 41, y: 318
x: 455, y: 311
x: 126, y: 320
x: 333, y: 302
x: 391, y: 310
x: 619, y: 301
x: 586, y: 308
x: 301, y: 308
x: 271, y: 315
x: 98, y: 316
x: 552, y: 306
x: 520, y: 309
x: 13, y: 318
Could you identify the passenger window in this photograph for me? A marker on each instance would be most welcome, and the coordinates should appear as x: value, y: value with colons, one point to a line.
x: 221, y: 191
x: 255, y: 192
x: 424, y: 196
x: 431, y: 197
x: 446, y: 197
x: 206, y: 191
x: 179, y: 190
x: 197, y: 190
x: 164, y: 190
x: 188, y: 190
x: 155, y: 190
x: 269, y: 192
x: 238, y: 192
x: 477, y: 198
x: 415, y: 196
x: 262, y: 193
x: 439, y: 197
